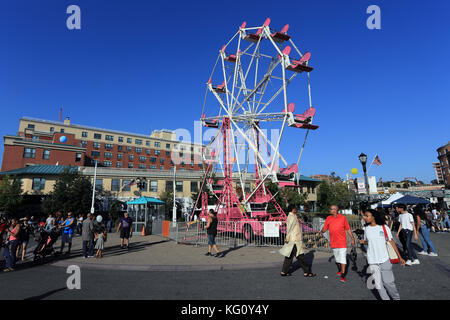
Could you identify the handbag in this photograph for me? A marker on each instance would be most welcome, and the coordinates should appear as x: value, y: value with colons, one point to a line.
x: 392, y: 254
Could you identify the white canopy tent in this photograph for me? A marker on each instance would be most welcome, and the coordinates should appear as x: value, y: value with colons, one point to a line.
x: 388, y: 201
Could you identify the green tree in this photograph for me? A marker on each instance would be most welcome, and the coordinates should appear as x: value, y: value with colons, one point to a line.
x: 285, y: 197
x: 11, y: 197
x: 167, y: 197
x: 335, y: 194
x: 71, y: 192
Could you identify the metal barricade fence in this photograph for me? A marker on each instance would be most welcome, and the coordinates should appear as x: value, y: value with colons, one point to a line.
x: 234, y: 234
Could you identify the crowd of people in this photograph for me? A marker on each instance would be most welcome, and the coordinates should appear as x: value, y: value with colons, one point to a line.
x: 15, y: 235
x: 376, y: 240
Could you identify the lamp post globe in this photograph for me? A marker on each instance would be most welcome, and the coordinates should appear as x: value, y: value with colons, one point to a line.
x: 363, y: 158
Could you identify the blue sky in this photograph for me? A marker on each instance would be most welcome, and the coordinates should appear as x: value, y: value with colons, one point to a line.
x: 142, y: 65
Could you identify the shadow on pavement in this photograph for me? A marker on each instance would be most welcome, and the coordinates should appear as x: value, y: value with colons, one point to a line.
x: 108, y: 251
x: 224, y: 253
x: 45, y: 295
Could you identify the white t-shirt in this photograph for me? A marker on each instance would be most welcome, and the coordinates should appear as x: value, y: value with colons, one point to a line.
x: 376, y: 249
x: 434, y: 211
x: 407, y: 221
x: 49, y: 222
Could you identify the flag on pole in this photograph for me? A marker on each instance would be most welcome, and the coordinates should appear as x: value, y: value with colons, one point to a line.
x: 132, y: 182
x: 376, y: 160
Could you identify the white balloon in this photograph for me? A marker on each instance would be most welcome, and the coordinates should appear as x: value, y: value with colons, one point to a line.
x: 99, y: 218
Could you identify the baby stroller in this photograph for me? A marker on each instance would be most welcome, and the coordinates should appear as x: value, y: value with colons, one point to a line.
x: 45, y: 245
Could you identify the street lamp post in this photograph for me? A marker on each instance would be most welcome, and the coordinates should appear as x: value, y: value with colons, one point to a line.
x: 93, y: 188
x: 363, y: 159
x: 174, y: 212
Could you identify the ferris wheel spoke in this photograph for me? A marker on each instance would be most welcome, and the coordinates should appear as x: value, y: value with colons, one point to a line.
x: 248, y: 70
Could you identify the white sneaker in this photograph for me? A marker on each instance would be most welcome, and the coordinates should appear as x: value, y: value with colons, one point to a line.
x: 416, y: 261
x: 423, y: 253
x: 433, y: 254
x: 408, y: 262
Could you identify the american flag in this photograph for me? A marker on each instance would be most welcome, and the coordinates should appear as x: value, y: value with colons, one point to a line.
x: 132, y: 182
x: 376, y: 160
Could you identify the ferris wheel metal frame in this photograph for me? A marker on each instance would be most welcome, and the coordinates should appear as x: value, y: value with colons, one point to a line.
x: 242, y: 108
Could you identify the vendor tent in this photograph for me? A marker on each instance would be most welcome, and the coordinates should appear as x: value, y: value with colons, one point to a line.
x: 388, y: 202
x: 410, y: 200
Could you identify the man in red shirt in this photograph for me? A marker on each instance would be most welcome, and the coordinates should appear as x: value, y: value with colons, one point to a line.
x: 337, y: 226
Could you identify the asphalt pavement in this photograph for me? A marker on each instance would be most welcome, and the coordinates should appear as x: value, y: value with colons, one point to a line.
x: 142, y: 274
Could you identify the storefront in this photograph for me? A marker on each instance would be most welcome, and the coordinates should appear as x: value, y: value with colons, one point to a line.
x: 144, y: 211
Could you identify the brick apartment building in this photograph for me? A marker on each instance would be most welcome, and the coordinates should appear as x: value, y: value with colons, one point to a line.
x: 444, y: 160
x: 438, y: 170
x: 38, y: 142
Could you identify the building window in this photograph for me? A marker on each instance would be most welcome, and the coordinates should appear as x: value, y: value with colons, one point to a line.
x: 157, y: 152
x: 62, y: 130
x: 84, y: 134
x: 119, y: 148
x: 128, y: 148
x: 194, y: 186
x: 152, y: 159
x: 120, y: 139
x: 182, y: 163
x: 119, y: 164
x: 46, y: 154
x: 108, y: 155
x: 138, y: 150
x: 115, y: 184
x: 99, y: 184
x: 119, y: 156
x: 38, y: 184
x: 147, y: 151
x: 97, y: 145
x: 147, y: 143
x: 29, y: 153
x: 142, y: 158
x: 167, y: 145
x: 161, y: 160
x: 141, y: 166
x: 95, y: 153
x: 129, y: 140
x: 35, y: 138
x: 200, y: 165
x: 181, y: 154
x: 161, y: 168
x: 126, y: 185
x: 169, y: 186
x: 179, y: 186
x: 78, y: 157
x: 108, y: 146
x: 167, y: 153
x: 152, y: 167
x: 83, y: 143
x: 130, y: 165
x: 52, y: 129
x: 107, y: 163
x: 97, y: 136
x: 138, y: 141
x: 157, y: 144
x: 153, y: 186
x: 109, y: 138
x: 131, y: 157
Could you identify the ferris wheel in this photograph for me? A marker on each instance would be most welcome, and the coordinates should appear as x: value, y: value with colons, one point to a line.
x: 246, y: 92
